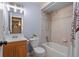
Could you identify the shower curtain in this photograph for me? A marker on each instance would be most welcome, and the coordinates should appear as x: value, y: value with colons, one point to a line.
x: 75, y: 30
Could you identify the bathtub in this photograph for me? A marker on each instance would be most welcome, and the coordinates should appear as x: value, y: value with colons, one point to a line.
x: 55, y: 50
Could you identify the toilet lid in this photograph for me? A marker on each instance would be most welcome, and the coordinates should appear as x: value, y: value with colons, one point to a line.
x: 39, y: 50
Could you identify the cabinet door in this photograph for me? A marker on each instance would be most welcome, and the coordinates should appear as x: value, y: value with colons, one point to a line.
x: 8, y: 51
x: 15, y: 49
x: 21, y: 51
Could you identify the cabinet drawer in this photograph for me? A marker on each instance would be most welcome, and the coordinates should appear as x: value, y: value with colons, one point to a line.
x: 16, y: 43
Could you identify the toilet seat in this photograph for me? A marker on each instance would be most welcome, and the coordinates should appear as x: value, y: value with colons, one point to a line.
x: 39, y: 50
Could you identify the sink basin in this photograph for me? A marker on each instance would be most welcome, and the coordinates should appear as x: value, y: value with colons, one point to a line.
x: 14, y: 36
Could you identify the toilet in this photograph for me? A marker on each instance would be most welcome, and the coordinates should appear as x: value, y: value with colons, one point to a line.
x: 38, y: 51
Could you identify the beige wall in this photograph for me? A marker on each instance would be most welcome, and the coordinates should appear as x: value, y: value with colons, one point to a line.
x: 61, y: 25
x: 45, y: 27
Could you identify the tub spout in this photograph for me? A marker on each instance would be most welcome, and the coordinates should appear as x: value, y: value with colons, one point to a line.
x: 47, y: 39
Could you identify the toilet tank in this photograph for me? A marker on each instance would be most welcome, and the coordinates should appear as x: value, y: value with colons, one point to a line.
x: 34, y: 42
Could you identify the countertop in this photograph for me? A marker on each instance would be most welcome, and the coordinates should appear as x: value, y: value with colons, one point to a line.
x: 9, y: 39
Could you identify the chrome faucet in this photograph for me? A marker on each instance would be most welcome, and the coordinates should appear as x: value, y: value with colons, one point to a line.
x: 47, y: 39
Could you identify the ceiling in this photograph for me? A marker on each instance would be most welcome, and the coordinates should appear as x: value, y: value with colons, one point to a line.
x: 53, y: 6
x: 24, y: 3
x: 40, y: 3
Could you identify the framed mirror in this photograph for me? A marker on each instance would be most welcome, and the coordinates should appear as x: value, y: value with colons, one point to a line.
x: 15, y: 25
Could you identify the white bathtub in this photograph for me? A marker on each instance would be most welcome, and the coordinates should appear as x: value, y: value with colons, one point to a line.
x: 55, y: 50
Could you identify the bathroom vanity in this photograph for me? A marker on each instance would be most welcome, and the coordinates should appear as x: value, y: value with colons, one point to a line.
x: 11, y: 31
x: 17, y: 46
x: 16, y: 49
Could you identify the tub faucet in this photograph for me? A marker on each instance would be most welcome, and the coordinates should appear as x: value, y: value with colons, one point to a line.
x: 47, y: 39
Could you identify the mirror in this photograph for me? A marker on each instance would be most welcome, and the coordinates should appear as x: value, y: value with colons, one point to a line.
x: 15, y: 25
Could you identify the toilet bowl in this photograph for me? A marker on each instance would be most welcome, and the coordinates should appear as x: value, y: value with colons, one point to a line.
x: 38, y: 51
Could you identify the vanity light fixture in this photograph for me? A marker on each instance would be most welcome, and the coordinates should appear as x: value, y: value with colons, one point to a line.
x: 15, y: 8
x: 21, y: 9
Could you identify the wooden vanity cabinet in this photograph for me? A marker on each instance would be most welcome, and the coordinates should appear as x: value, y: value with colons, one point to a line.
x: 16, y: 49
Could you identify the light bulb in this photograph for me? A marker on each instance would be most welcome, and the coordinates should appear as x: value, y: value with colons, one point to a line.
x: 15, y: 8
x: 8, y: 8
x: 21, y: 10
